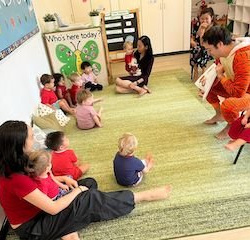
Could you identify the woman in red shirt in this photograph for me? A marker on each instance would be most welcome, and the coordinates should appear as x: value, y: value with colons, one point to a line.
x: 33, y: 215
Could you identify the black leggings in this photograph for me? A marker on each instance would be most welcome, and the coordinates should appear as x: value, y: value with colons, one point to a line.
x: 93, y: 87
x: 89, y: 206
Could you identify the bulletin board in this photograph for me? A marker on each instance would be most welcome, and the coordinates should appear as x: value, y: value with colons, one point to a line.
x: 67, y: 50
x: 17, y: 24
x: 116, y: 27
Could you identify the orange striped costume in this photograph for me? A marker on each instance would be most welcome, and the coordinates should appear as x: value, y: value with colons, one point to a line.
x: 234, y: 87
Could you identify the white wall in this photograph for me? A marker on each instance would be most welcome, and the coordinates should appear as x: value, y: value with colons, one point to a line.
x: 18, y: 80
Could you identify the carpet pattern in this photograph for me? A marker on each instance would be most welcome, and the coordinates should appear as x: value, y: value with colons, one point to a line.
x: 209, y: 193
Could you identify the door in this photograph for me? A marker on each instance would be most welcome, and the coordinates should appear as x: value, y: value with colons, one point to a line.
x: 152, y: 24
x: 173, y: 24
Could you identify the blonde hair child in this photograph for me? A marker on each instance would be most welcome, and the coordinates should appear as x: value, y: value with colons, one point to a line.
x: 129, y: 169
x: 86, y: 116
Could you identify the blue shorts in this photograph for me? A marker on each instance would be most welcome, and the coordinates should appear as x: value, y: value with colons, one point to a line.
x: 56, y: 104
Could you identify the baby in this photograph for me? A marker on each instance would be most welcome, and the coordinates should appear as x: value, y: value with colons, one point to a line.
x: 86, y: 115
x: 129, y: 169
x: 64, y: 160
x: 131, y: 65
x: 40, y: 169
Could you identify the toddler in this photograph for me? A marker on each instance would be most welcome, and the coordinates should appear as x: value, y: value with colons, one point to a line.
x: 40, y: 169
x: 131, y: 65
x: 76, y: 86
x: 89, y: 78
x: 64, y: 160
x: 49, y: 98
x: 61, y: 91
x: 240, y: 132
x: 86, y: 116
x: 129, y: 169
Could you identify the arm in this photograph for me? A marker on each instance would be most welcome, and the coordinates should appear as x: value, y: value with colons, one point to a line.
x: 97, y: 100
x: 68, y: 181
x: 238, y: 86
x: 97, y: 121
x: 59, y: 93
x: 150, y: 161
x: 50, y: 106
x: 43, y: 202
x: 146, y: 71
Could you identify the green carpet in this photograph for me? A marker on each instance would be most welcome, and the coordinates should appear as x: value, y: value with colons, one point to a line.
x: 209, y: 193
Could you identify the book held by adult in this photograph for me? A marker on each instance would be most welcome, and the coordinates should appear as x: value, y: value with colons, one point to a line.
x: 206, y: 80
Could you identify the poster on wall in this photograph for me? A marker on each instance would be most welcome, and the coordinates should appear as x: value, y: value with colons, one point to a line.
x: 67, y: 50
x: 17, y: 24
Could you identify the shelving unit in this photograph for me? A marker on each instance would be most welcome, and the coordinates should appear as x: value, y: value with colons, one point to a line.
x: 239, y: 14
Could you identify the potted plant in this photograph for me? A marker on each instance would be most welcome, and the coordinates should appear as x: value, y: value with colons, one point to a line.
x: 50, y: 21
x: 95, y: 17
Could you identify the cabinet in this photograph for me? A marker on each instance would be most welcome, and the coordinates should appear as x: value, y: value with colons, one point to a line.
x: 167, y: 23
x: 239, y: 16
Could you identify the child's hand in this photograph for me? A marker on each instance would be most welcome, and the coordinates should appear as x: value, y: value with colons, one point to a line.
x: 71, y: 183
x: 65, y: 187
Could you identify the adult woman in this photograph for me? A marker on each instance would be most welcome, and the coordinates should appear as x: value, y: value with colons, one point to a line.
x: 33, y: 215
x: 145, y: 60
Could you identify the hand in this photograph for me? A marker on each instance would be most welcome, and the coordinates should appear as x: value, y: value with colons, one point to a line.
x: 220, y: 71
x: 70, y: 182
x: 203, y: 81
x: 204, y: 25
x: 64, y: 187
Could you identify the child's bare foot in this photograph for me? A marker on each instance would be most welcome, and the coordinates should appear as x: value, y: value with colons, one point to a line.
x: 142, y: 92
x: 223, y: 134
x: 233, y: 145
x: 216, y: 118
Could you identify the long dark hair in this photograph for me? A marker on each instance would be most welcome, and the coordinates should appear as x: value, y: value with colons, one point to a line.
x: 13, y: 135
x: 147, y: 43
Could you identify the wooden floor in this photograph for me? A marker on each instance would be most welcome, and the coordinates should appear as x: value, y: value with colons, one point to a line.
x: 176, y: 62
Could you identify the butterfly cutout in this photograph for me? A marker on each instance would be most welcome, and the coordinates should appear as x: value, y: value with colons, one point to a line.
x: 72, y: 59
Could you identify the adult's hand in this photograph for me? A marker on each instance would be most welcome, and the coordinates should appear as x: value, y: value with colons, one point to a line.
x: 220, y: 71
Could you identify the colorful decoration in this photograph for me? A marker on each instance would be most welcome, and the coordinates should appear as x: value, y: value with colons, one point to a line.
x: 18, y: 23
x: 73, y: 59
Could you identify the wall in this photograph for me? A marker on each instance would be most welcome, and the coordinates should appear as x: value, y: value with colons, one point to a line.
x: 18, y: 81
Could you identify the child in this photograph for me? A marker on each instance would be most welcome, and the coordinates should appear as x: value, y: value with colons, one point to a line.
x: 131, y: 65
x: 40, y: 169
x: 61, y: 91
x: 199, y: 56
x: 76, y: 86
x: 49, y: 98
x: 86, y: 116
x: 89, y: 78
x: 240, y: 132
x: 64, y: 160
x: 129, y: 169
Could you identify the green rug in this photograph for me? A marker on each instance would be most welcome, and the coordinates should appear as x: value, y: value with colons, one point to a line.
x: 209, y: 193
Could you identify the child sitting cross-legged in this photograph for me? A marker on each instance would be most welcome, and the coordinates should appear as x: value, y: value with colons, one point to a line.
x: 76, y: 86
x: 49, y: 98
x: 129, y: 169
x: 64, y: 160
x: 86, y: 115
x: 89, y: 78
x: 39, y: 169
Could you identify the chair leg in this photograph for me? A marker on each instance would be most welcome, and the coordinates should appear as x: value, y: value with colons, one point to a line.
x: 192, y: 72
x: 238, y: 154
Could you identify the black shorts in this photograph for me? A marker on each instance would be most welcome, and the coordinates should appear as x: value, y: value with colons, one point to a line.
x: 89, y: 206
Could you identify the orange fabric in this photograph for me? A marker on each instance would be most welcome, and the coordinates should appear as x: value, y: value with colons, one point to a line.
x: 235, y: 91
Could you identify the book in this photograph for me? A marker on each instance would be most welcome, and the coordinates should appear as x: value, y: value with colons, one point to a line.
x: 209, y: 75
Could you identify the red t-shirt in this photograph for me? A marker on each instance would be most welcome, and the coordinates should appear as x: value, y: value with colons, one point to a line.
x: 12, y: 192
x: 48, y: 96
x: 47, y: 186
x: 63, y: 163
x: 63, y: 90
x: 128, y: 59
x: 73, y: 91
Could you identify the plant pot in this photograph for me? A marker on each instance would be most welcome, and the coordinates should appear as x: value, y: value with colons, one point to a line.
x: 95, y: 21
x: 50, y: 26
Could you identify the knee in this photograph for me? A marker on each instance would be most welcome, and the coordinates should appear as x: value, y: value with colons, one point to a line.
x: 117, y: 80
x: 90, y: 183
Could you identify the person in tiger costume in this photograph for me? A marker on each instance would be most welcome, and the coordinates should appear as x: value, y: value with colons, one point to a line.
x: 233, y: 76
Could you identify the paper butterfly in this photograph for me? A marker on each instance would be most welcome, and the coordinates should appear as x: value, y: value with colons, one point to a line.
x: 73, y: 59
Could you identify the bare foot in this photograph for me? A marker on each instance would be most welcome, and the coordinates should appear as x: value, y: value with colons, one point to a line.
x: 216, y: 118
x: 142, y: 92
x: 84, y: 167
x: 223, y: 134
x: 233, y: 145
x: 147, y: 89
x: 153, y: 194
